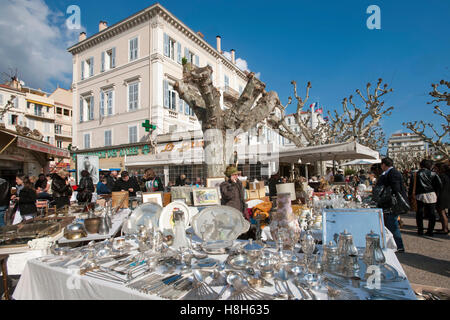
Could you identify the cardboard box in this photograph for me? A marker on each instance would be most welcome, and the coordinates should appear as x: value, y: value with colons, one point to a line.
x: 252, y: 194
x: 262, y: 192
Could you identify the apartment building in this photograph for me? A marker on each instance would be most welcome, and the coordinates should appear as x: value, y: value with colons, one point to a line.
x: 411, y: 144
x: 123, y: 76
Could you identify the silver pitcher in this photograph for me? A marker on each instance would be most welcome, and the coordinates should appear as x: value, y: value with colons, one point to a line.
x: 103, y: 228
x: 346, y: 251
x: 373, y: 254
x: 330, y: 257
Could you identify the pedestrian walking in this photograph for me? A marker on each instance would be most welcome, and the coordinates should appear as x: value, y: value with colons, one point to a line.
x: 425, y: 186
x: 443, y: 201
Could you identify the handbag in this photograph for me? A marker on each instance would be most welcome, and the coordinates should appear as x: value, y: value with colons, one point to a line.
x: 412, y: 199
x: 393, y: 201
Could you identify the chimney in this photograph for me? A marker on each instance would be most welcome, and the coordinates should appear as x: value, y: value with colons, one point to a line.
x: 82, y: 36
x: 201, y: 34
x: 102, y: 26
x: 218, y: 38
x: 233, y: 56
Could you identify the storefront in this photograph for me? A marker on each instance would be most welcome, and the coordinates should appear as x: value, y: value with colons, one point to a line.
x: 23, y: 155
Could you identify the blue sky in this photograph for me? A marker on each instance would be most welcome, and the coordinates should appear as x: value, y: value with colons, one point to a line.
x: 325, y: 42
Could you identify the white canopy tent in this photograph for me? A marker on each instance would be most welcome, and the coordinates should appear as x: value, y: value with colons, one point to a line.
x: 360, y: 162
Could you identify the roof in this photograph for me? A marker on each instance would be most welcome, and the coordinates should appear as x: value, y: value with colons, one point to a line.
x: 143, y: 15
x: 10, y: 88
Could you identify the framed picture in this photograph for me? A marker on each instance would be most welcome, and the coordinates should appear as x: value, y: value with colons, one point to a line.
x: 182, y: 193
x: 206, y: 197
x: 252, y: 194
x: 155, y: 197
x: 90, y: 164
x: 214, y: 182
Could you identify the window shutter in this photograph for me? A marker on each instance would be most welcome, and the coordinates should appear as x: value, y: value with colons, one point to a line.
x: 186, y: 53
x: 197, y: 61
x: 166, y: 93
x: 81, y: 110
x: 136, y: 95
x: 136, y: 48
x: 180, y: 104
x: 82, y: 70
x: 166, y: 45
x: 113, y: 57
x: 186, y: 108
x: 91, y: 67
x: 91, y: 108
x: 178, y: 52
x: 103, y: 62
x: 102, y: 103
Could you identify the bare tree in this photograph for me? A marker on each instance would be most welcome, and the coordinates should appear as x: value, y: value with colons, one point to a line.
x: 407, y: 158
x: 361, y: 123
x: 242, y: 113
x: 439, y: 140
x: 7, y: 107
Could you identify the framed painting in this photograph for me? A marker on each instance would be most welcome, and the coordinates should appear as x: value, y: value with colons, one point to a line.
x: 206, y: 197
x: 214, y: 182
x: 252, y: 194
x: 155, y: 197
x: 182, y: 193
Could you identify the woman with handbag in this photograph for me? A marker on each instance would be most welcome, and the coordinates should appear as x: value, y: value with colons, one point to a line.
x: 424, y: 187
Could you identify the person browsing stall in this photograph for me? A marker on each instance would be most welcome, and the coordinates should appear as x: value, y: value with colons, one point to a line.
x: 124, y: 183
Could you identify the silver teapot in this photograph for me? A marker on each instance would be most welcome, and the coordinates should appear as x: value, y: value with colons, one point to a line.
x: 373, y: 255
x: 103, y: 228
x: 346, y: 247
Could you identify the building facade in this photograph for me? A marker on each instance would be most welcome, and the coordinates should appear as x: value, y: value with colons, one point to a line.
x: 123, y: 77
x: 407, y: 149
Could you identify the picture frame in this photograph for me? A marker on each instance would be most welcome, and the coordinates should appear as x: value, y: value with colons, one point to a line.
x: 252, y: 194
x: 182, y: 193
x: 214, y: 182
x: 206, y: 197
x: 155, y: 197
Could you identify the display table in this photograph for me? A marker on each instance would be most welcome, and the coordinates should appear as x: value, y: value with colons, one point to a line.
x: 117, y: 221
x: 41, y: 281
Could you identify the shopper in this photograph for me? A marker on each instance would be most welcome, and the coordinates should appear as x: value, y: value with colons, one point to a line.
x: 427, y: 187
x: 61, y: 188
x: 27, y: 200
x: 392, y: 181
x: 85, y: 188
x: 339, y: 177
x: 5, y: 195
x: 124, y: 183
x: 273, y: 181
x: 42, y: 188
x: 152, y: 182
x: 443, y: 200
x: 112, y: 179
x: 181, y: 180
x: 102, y: 187
x: 232, y: 190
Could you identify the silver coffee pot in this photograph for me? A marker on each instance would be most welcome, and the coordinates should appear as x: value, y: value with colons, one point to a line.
x: 330, y: 257
x: 373, y: 254
x: 346, y: 253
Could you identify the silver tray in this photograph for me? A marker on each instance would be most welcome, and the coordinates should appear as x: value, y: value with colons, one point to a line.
x: 239, y: 261
x: 216, y: 247
x: 142, y: 215
x: 219, y: 223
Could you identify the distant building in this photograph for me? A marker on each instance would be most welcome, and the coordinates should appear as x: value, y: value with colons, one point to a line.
x: 400, y: 143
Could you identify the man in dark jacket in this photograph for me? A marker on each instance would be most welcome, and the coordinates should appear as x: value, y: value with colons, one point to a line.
x: 428, y: 186
x: 5, y: 195
x: 392, y: 178
x: 61, y: 189
x: 112, y: 178
x: 232, y: 190
x: 127, y: 184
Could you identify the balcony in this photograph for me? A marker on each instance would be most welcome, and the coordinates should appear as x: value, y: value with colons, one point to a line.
x: 63, y: 133
x: 228, y: 92
x: 173, y: 114
x: 41, y: 115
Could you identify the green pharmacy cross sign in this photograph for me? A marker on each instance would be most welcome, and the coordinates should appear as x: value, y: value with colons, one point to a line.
x: 148, y: 126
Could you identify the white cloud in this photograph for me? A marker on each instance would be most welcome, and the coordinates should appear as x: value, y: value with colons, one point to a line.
x: 241, y: 63
x: 34, y: 39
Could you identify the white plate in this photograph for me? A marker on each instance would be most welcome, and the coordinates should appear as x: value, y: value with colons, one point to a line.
x: 166, y: 224
x: 141, y: 216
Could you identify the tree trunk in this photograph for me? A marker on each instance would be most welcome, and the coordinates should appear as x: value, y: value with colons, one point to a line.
x: 218, y: 150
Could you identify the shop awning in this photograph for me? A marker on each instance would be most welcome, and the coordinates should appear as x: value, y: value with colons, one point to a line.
x: 34, y: 145
x: 336, y: 151
x: 41, y: 103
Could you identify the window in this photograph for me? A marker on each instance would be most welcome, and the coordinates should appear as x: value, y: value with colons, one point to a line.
x: 179, y: 52
x: 170, y: 96
x: 169, y: 47
x: 58, y: 129
x: 67, y: 112
x: 133, y: 96
x: 31, y: 124
x: 108, y: 138
x: 38, y: 110
x: 212, y: 77
x: 87, y: 140
x: 191, y: 57
x: 58, y: 110
x: 133, y: 49
x: 59, y: 144
x: 13, y: 119
x: 227, y: 82
x: 289, y: 121
x: 81, y: 109
x: 132, y: 134
x: 16, y: 102
x: 87, y: 68
x: 108, y: 59
x: 106, y: 97
x: 46, y: 127
x: 241, y: 89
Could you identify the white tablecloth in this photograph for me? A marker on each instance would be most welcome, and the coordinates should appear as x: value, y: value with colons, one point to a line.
x: 41, y: 281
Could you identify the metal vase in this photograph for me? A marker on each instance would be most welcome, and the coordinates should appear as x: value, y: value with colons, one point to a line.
x: 103, y: 228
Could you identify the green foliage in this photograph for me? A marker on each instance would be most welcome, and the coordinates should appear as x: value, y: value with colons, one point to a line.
x: 184, y: 61
x: 349, y: 172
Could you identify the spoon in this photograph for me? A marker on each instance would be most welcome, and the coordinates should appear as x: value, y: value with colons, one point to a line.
x: 282, y: 275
